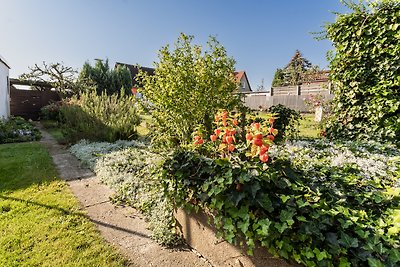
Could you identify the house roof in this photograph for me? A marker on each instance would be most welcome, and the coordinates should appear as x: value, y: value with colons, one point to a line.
x: 134, y: 70
x: 239, y: 75
x: 4, y: 62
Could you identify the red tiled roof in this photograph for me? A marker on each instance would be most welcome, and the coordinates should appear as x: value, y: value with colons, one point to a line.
x: 239, y: 75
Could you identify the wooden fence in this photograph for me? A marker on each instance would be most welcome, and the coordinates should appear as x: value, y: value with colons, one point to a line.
x: 27, y: 103
x: 290, y: 96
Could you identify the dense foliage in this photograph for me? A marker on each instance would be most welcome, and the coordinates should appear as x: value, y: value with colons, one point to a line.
x: 286, y: 122
x: 51, y: 111
x: 16, y: 129
x: 104, y: 79
x: 295, y: 72
x: 365, y: 70
x: 188, y: 84
x: 317, y: 203
x: 100, y: 117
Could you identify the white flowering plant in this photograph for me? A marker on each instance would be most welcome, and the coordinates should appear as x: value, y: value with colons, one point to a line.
x: 133, y: 170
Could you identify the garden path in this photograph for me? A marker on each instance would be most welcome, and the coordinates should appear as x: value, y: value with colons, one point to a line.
x: 122, y: 226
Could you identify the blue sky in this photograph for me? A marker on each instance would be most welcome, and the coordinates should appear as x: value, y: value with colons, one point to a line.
x: 260, y: 35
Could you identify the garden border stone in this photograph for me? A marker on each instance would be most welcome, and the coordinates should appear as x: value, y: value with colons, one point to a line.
x: 201, y: 235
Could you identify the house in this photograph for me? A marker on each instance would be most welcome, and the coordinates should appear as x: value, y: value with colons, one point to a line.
x: 4, y: 89
x: 134, y: 70
x: 243, y: 81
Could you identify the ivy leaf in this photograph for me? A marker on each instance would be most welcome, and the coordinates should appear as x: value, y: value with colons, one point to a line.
x: 285, y: 198
x: 265, y: 202
x: 348, y: 241
x: 344, y: 262
x: 243, y: 226
x: 236, y: 197
x: 320, y: 254
x: 228, y: 225
x: 308, y: 253
x: 263, y: 230
x: 243, y: 213
x: 254, y: 188
x: 332, y: 238
x: 281, y: 227
x: 287, y: 216
x: 394, y: 255
x: 375, y: 263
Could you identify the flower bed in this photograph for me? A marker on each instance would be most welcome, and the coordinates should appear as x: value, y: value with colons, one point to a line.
x: 315, y: 202
x: 16, y: 129
x: 311, y: 202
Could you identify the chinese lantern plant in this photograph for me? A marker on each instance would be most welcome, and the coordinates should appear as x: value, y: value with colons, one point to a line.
x: 226, y: 140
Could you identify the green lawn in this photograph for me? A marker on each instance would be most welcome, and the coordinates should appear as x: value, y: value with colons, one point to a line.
x: 308, y: 127
x: 41, y: 223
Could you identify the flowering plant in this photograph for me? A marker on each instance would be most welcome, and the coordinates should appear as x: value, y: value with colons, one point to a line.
x: 228, y: 137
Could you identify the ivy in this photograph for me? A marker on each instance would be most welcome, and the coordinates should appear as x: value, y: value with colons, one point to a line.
x: 365, y: 71
x: 312, y: 212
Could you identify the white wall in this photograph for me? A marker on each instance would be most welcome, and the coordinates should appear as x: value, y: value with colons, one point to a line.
x: 4, y: 91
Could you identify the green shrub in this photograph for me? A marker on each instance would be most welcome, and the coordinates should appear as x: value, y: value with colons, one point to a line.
x: 287, y: 122
x: 100, y: 117
x: 51, y: 111
x: 17, y: 129
x: 188, y: 84
x: 364, y: 69
x: 316, y: 202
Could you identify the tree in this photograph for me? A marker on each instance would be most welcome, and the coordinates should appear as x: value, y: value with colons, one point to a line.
x: 293, y: 73
x: 278, y: 78
x: 61, y: 78
x: 104, y: 79
x: 296, y: 67
x: 189, y: 86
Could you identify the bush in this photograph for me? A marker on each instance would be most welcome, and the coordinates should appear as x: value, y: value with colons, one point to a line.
x: 100, y: 117
x: 51, y: 111
x: 188, y: 84
x: 286, y: 122
x: 315, y: 202
x: 17, y: 129
x: 365, y: 72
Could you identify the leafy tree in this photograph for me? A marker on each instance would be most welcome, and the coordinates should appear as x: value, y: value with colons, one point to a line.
x: 278, y: 78
x: 61, y: 78
x: 188, y: 85
x: 104, y: 79
x: 365, y: 71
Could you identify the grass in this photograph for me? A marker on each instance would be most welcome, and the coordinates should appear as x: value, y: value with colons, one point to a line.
x: 41, y: 223
x: 53, y: 128
x: 308, y: 127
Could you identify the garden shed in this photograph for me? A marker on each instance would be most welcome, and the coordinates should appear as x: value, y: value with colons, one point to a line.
x: 4, y: 89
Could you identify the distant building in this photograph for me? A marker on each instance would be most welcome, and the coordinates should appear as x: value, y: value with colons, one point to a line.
x: 4, y: 89
x: 243, y: 81
x: 134, y: 70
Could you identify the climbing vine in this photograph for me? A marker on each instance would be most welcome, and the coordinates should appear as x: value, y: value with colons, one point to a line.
x: 365, y: 68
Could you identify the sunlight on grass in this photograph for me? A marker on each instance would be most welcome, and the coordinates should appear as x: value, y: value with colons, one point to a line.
x: 308, y: 127
x: 40, y: 220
